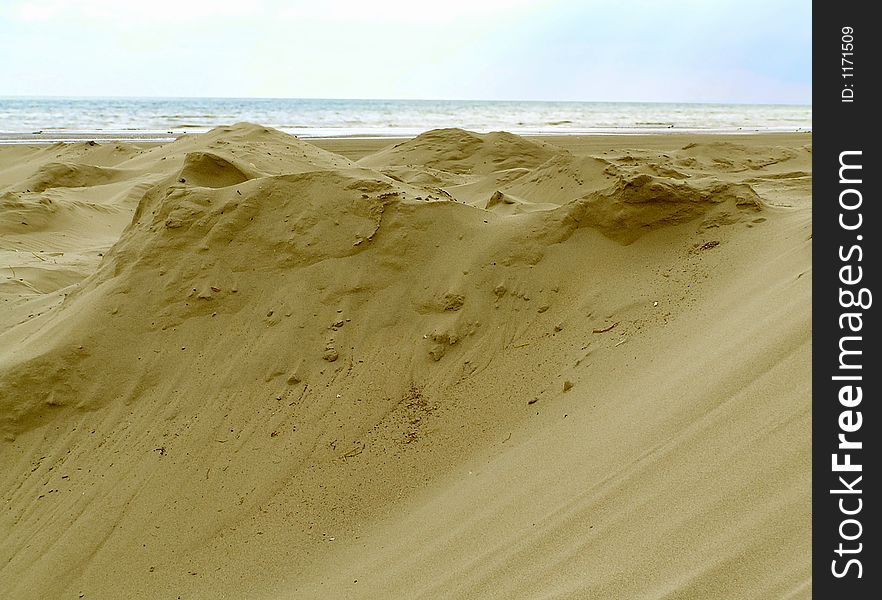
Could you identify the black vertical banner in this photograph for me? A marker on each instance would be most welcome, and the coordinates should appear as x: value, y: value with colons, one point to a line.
x: 846, y: 368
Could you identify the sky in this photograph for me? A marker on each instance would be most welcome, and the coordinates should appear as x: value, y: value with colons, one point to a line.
x: 730, y: 51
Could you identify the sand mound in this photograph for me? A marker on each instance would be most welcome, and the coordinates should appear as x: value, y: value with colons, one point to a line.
x: 187, y: 248
x: 208, y: 169
x: 463, y: 152
x: 69, y: 175
x: 107, y: 154
x: 60, y: 234
x: 636, y: 206
x: 284, y: 358
x: 253, y: 149
x: 26, y: 160
x: 426, y: 177
x: 564, y: 178
x: 21, y: 210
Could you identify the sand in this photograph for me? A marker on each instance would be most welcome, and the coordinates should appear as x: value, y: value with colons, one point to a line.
x: 458, y: 366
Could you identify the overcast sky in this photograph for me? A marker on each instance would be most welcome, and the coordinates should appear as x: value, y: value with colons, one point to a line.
x: 611, y: 50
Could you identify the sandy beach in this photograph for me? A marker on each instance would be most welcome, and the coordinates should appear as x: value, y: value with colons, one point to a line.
x: 471, y: 366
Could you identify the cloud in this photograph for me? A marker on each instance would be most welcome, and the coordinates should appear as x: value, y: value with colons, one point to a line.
x: 409, y: 12
x: 295, y: 11
x: 167, y: 11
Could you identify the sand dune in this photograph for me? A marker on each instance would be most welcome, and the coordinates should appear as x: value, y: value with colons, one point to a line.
x: 463, y: 152
x: 460, y: 366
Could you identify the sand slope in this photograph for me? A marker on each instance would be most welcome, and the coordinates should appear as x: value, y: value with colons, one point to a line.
x: 465, y: 366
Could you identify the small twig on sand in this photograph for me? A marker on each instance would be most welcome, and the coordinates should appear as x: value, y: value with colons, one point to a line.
x: 605, y: 329
x: 353, y: 452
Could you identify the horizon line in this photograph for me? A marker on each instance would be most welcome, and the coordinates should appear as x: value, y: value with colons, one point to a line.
x: 105, y: 97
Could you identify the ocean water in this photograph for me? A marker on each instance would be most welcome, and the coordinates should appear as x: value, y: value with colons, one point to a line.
x: 57, y: 118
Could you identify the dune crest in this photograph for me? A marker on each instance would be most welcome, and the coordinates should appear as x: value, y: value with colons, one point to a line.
x: 68, y: 175
x: 461, y: 152
x: 636, y: 206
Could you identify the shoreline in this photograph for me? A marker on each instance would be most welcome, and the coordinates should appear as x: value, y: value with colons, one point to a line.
x: 148, y: 136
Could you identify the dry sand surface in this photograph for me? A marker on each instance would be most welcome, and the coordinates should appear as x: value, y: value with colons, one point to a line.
x: 241, y: 365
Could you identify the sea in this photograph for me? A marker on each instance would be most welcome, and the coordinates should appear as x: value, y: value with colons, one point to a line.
x: 60, y: 119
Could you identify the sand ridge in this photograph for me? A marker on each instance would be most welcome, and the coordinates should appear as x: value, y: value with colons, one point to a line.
x: 268, y: 369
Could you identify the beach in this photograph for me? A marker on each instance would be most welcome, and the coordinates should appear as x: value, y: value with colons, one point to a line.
x: 456, y: 365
